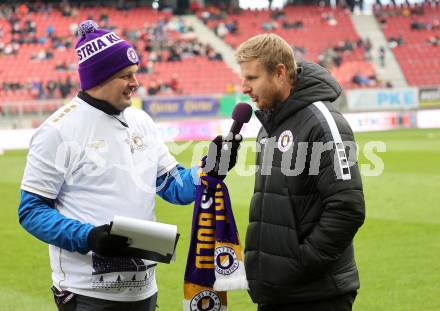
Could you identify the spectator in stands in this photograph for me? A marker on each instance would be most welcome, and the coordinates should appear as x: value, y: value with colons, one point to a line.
x: 174, y: 54
x: 51, y: 87
x: 277, y: 14
x: 389, y: 85
x: 174, y: 84
x: 221, y: 30
x: 383, y: 22
x: 37, y: 89
x: 395, y: 41
x: 213, y: 55
x: 50, y: 31
x: 416, y: 25
x: 294, y: 25
x: 65, y: 87
x: 154, y: 57
x: 434, y: 40
x: 11, y: 49
x: 313, y: 217
x: 329, y: 18
x: 330, y: 57
x: 66, y: 9
x: 269, y: 26
x: 344, y: 46
x: 232, y: 26
x: 360, y: 79
x: 382, y: 54
x: 43, y: 54
x: 77, y: 179
x: 154, y: 88
x: 366, y: 45
x: 12, y: 86
x: 30, y: 26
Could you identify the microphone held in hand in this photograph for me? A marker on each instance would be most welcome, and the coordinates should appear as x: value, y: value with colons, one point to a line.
x: 222, y: 153
x: 242, y: 114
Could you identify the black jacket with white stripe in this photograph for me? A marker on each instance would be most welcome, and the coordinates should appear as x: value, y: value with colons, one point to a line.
x: 308, y: 201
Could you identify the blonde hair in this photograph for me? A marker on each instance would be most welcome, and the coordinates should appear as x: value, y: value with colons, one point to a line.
x: 270, y: 50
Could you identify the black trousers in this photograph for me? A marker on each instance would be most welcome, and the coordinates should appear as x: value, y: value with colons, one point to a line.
x: 67, y: 301
x: 340, y: 303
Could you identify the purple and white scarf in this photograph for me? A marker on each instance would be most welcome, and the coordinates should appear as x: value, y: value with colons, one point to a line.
x: 215, y: 259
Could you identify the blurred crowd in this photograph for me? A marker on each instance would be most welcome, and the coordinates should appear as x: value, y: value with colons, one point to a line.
x: 168, y: 40
x: 23, y: 30
x: 419, y: 21
x: 38, y: 89
x: 331, y: 57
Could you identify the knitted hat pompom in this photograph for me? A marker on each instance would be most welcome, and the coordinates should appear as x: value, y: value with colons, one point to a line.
x: 87, y: 26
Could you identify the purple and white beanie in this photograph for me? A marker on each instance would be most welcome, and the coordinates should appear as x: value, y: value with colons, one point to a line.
x: 101, y: 54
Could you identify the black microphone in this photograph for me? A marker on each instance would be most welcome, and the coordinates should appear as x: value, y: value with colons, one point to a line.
x: 242, y: 114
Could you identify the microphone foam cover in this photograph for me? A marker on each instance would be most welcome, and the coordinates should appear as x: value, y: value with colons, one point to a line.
x: 242, y: 113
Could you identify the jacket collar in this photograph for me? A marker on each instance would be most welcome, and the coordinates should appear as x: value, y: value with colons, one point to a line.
x: 99, y: 104
x: 313, y: 83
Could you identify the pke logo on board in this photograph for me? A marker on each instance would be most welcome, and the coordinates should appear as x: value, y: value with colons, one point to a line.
x: 285, y: 141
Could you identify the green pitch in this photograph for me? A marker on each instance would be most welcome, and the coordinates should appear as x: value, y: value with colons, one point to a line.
x: 398, y: 247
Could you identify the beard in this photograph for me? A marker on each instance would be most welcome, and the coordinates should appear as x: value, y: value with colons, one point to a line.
x: 272, y: 101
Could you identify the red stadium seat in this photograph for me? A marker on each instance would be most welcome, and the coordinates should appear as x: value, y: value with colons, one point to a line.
x: 420, y: 61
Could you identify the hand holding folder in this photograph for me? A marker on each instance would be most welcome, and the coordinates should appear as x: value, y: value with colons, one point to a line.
x: 147, y: 239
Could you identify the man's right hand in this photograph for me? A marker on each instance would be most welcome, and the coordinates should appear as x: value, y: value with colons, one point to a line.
x: 105, y: 244
x: 222, y: 155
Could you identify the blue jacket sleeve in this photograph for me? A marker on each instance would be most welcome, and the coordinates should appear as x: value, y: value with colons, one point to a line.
x: 39, y: 217
x: 178, y: 186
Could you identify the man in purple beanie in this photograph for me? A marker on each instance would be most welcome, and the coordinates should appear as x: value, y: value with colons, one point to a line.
x: 93, y: 159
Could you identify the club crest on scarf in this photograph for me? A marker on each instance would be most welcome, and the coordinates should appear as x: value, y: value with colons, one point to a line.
x: 215, y: 260
x: 226, y: 261
x: 206, y: 300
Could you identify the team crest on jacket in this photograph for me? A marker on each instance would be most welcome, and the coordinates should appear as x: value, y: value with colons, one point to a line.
x: 285, y: 141
x: 136, y: 142
x: 206, y: 300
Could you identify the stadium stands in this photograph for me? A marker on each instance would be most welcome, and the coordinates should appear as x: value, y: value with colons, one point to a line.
x: 37, y: 60
x: 311, y: 28
x: 50, y: 58
x: 414, y: 34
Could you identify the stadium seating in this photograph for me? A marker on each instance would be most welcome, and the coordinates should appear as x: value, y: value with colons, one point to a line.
x: 316, y: 34
x: 197, y: 75
x: 419, y: 60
